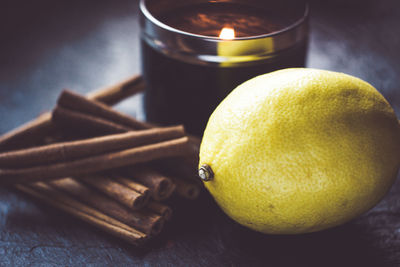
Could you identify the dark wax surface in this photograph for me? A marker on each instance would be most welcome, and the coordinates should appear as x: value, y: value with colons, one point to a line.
x: 49, y: 45
x: 208, y: 19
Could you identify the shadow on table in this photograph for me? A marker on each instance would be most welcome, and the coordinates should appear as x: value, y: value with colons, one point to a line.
x: 342, y: 246
x: 203, y: 226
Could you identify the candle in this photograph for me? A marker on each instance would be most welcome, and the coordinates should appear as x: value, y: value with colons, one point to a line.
x: 195, y: 52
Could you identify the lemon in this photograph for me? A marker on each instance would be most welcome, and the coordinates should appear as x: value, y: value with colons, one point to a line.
x: 300, y: 150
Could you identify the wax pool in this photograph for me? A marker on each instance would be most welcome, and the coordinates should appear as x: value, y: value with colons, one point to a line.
x: 208, y: 19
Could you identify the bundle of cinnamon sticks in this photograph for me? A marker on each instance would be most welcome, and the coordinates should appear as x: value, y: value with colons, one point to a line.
x: 100, y: 165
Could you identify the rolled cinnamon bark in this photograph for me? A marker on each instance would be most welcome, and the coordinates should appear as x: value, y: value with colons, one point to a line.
x: 183, y: 167
x: 145, y: 221
x: 160, y: 209
x: 123, y: 194
x: 27, y: 134
x: 161, y: 187
x: 99, y: 163
x: 66, y: 151
x: 34, y: 131
x: 115, y: 93
x: 62, y: 201
x: 78, y: 123
x: 132, y: 184
x: 76, y: 102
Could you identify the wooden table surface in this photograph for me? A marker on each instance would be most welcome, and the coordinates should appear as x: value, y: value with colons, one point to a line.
x: 50, y: 45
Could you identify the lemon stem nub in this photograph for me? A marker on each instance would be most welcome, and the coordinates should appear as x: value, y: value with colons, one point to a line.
x: 205, y: 173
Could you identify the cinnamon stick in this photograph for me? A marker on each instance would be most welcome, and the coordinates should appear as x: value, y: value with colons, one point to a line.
x: 124, y: 195
x: 28, y: 133
x: 142, y: 220
x: 65, y: 151
x: 132, y: 184
x: 98, y: 163
x: 161, y: 187
x: 78, y: 123
x: 115, y: 93
x: 77, y: 209
x: 160, y: 209
x: 35, y: 130
x: 76, y: 102
x: 183, y: 167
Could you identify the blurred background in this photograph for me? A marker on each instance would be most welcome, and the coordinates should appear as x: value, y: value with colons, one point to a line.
x: 49, y: 45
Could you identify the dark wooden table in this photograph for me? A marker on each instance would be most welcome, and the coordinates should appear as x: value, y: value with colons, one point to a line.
x: 49, y: 45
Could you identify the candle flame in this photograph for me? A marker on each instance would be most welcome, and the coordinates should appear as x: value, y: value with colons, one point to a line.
x: 227, y: 33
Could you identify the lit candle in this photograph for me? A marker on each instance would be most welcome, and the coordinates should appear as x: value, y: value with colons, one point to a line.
x: 195, y: 52
x: 227, y: 33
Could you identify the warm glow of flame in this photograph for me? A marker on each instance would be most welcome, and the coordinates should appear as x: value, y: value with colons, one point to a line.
x: 227, y: 33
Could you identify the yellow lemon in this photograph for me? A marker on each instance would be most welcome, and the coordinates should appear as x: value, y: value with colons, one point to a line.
x: 300, y: 150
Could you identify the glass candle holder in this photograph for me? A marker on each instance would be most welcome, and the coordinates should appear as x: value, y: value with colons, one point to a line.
x: 194, y: 52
